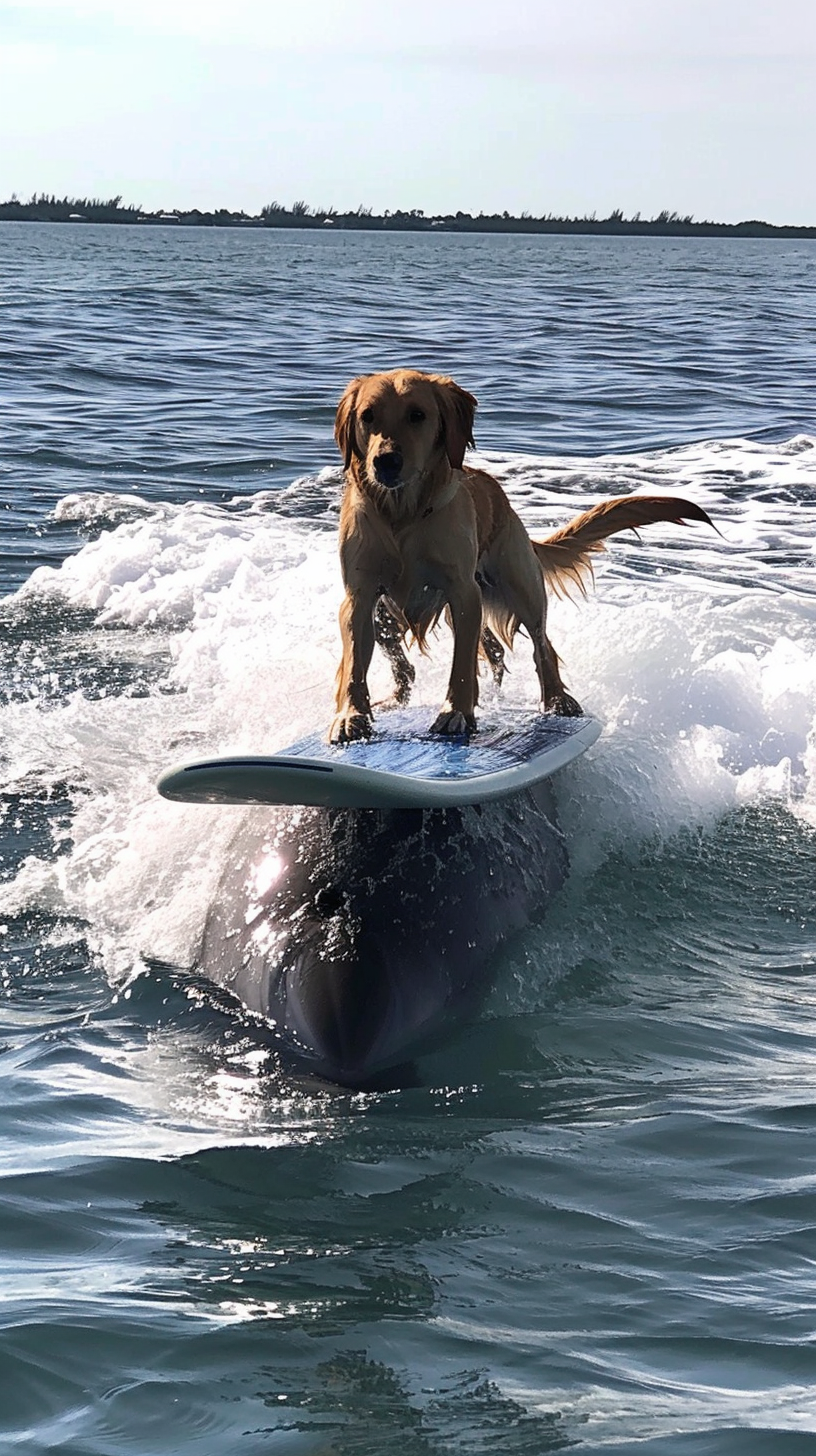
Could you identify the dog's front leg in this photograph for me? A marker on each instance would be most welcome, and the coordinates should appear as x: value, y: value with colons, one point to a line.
x: 458, y: 713
x: 353, y: 717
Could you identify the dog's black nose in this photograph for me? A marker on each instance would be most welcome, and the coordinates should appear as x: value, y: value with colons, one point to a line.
x: 387, y: 467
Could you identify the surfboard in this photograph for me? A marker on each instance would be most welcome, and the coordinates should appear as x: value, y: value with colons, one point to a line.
x: 402, y: 765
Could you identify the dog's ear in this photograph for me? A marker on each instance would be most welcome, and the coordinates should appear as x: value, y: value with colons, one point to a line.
x: 345, y: 421
x: 457, y: 409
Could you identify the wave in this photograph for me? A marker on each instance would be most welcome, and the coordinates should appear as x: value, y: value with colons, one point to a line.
x: 179, y: 630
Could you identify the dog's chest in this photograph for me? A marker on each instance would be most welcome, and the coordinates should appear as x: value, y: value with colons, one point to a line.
x: 419, y: 589
x: 423, y: 601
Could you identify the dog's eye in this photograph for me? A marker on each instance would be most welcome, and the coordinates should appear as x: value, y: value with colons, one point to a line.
x: 367, y: 416
x: 416, y: 416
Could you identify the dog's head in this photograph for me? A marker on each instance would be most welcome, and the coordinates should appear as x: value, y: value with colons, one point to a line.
x: 401, y: 426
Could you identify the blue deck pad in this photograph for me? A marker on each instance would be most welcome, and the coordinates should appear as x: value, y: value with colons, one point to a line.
x: 401, y: 743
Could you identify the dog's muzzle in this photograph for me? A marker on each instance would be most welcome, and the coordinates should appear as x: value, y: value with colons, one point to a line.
x: 388, y: 468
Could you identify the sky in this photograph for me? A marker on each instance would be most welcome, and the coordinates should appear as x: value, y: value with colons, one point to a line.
x: 573, y: 107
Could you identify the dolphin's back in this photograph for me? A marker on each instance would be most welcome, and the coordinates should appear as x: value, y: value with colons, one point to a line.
x: 357, y: 933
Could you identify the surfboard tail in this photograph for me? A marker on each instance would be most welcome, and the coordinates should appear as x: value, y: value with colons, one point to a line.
x: 566, y: 557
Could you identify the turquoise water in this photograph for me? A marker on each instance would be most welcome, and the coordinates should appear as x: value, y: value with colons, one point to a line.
x: 590, y: 1223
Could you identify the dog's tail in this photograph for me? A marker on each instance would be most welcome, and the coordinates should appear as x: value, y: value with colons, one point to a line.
x: 566, y: 555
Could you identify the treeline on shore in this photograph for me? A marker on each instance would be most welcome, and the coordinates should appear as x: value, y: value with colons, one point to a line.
x: 44, y: 208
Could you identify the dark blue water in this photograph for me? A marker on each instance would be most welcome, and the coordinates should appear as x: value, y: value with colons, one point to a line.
x: 590, y: 1224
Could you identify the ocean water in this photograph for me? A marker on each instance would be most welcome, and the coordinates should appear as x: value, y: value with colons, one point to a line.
x: 591, y: 1224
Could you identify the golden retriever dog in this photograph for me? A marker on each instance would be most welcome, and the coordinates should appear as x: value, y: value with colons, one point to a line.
x: 422, y: 535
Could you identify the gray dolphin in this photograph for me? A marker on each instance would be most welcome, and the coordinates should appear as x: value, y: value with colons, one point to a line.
x: 360, y: 934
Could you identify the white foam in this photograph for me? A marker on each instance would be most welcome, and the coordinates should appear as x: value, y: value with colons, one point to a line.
x: 99, y: 509
x: 697, y: 652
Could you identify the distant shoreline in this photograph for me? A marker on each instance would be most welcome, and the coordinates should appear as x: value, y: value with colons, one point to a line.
x: 300, y: 215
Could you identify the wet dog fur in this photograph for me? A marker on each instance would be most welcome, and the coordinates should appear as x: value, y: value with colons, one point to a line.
x: 422, y: 535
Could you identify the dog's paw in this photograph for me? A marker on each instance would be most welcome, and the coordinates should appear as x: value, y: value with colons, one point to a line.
x: 400, y: 696
x: 455, y: 725
x: 402, y: 689
x: 387, y: 705
x: 349, y: 727
x: 565, y: 706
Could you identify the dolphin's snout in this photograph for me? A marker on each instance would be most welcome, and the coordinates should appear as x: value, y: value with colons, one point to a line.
x: 340, y: 1004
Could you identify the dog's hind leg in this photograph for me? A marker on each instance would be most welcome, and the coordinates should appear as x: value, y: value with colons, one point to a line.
x: 524, y: 602
x: 388, y: 634
x: 494, y: 652
x: 554, y: 696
